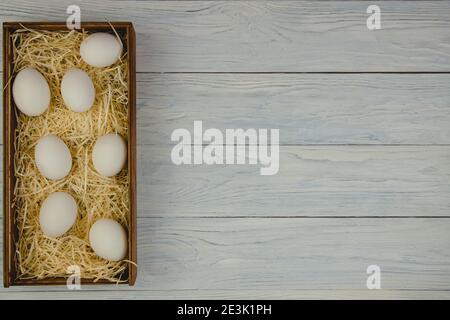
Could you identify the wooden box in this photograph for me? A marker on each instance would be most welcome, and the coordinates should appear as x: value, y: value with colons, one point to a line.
x: 126, y: 31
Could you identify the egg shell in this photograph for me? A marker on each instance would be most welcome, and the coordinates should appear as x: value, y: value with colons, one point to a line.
x: 108, y: 239
x: 109, y: 154
x: 77, y: 90
x: 52, y: 157
x: 57, y: 214
x: 101, y: 49
x: 31, y: 92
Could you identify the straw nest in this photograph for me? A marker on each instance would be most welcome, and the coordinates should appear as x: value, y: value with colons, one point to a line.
x: 38, y: 257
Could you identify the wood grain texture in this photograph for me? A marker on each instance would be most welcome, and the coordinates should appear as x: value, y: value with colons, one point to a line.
x: 312, y: 181
x: 205, y: 294
x: 306, y: 108
x: 258, y: 256
x: 332, y: 210
x: 263, y: 36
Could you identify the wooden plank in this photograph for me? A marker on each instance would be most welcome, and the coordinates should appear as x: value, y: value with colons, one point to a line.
x: 270, y: 254
x: 312, y: 181
x: 119, y: 294
x: 306, y: 108
x: 276, y: 36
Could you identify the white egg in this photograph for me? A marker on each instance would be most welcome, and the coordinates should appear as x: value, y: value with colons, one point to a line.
x: 77, y: 90
x: 31, y: 92
x: 109, y: 154
x: 52, y: 157
x: 108, y: 239
x: 101, y: 49
x: 58, y: 213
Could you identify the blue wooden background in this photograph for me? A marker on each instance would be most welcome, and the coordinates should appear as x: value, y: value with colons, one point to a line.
x: 364, y: 173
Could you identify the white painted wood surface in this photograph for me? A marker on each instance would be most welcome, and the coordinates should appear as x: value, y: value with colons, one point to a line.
x: 364, y: 162
x: 312, y: 181
x: 297, y: 255
x: 263, y: 36
x: 307, y: 108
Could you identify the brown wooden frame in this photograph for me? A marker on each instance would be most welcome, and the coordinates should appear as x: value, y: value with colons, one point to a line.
x: 9, y: 124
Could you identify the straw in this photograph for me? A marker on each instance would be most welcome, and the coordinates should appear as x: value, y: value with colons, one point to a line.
x: 39, y: 257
